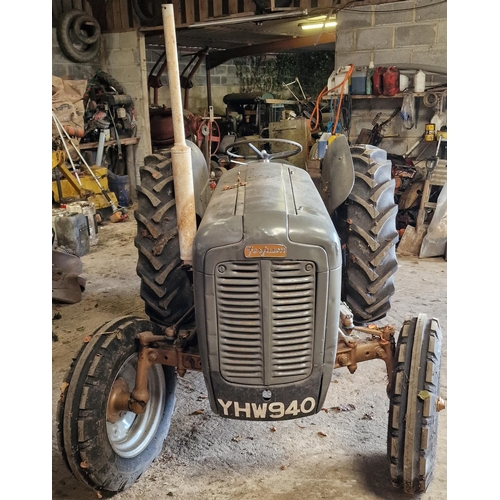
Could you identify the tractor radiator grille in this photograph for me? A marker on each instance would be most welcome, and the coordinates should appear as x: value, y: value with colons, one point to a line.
x: 265, y: 313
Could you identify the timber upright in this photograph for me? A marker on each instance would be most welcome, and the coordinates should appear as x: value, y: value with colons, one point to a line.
x: 276, y: 287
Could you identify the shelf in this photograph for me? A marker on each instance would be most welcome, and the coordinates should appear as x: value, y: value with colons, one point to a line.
x: 395, y: 96
x: 126, y: 141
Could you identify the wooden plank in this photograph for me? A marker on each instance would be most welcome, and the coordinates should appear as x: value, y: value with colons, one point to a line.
x: 144, y: 101
x: 189, y: 8
x: 124, y: 141
x: 123, y: 15
x: 233, y: 6
x: 56, y: 11
x: 249, y: 6
x: 217, y: 8
x: 86, y: 7
x: 177, y: 12
x: 66, y: 5
x: 323, y: 4
x: 203, y: 10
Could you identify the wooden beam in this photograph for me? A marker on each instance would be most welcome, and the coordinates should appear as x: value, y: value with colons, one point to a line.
x: 217, y: 58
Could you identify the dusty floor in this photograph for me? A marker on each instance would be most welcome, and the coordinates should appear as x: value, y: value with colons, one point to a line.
x: 334, y: 454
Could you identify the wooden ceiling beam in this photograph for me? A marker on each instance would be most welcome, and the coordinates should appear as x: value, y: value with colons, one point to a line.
x: 220, y: 57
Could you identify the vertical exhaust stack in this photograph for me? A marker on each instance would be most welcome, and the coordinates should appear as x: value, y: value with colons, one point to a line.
x: 181, y: 152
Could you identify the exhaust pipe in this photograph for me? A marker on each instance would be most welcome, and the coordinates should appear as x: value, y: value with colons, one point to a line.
x: 181, y: 152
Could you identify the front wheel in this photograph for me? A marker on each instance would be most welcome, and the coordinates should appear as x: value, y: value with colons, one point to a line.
x: 105, y: 449
x: 414, y: 405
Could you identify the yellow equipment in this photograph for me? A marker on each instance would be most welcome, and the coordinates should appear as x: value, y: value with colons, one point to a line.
x: 88, y: 189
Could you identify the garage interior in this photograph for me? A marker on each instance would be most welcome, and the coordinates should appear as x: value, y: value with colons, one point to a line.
x: 371, y: 73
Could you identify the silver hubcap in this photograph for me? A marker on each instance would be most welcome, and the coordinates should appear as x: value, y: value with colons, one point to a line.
x: 131, y: 433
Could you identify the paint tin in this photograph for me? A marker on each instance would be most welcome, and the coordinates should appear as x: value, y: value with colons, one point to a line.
x: 430, y: 132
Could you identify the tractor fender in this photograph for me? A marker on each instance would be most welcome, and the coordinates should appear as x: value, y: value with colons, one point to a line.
x: 337, y: 173
x: 202, y: 191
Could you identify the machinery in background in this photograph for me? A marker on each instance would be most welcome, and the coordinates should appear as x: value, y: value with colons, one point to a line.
x: 109, y: 115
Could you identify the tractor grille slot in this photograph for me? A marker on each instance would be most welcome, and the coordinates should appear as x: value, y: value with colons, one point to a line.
x: 293, y: 320
x: 240, y: 322
x: 265, y: 313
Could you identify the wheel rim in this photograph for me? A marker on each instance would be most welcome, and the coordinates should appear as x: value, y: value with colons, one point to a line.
x: 131, y: 433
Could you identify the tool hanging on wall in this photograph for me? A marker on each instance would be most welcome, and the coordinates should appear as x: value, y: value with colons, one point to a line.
x: 377, y: 133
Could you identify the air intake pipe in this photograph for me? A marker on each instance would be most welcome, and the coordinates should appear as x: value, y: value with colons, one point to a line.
x: 181, y: 152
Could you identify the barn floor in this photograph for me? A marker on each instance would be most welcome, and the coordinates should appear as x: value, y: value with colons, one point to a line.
x: 333, y: 454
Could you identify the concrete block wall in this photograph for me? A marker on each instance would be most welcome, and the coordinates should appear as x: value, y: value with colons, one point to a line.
x: 121, y: 60
x: 411, y: 33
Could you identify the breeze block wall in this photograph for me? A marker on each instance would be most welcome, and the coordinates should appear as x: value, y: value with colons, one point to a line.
x: 411, y: 34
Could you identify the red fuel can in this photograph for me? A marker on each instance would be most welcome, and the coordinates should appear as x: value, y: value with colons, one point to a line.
x: 377, y: 80
x: 390, y: 81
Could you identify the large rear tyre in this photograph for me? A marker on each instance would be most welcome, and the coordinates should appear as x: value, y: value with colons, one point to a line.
x: 109, y: 451
x: 414, y: 405
x: 166, y: 287
x: 369, y: 235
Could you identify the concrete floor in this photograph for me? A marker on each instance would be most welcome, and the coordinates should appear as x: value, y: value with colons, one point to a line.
x: 333, y: 454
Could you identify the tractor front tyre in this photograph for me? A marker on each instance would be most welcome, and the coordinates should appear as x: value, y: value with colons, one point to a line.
x: 414, y: 405
x: 105, y: 449
x: 166, y: 287
x: 369, y: 235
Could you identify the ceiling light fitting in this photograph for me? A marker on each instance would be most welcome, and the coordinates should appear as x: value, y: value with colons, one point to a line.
x: 260, y: 17
x: 314, y: 26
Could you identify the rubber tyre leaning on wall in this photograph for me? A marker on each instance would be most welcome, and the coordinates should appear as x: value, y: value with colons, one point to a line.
x: 148, y: 11
x: 87, y: 29
x: 108, y: 455
x: 165, y: 286
x: 414, y: 405
x: 368, y: 233
x: 74, y: 49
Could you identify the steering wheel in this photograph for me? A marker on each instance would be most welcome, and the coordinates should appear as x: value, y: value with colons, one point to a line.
x: 264, y: 155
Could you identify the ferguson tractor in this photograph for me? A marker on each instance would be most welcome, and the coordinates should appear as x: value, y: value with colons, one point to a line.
x: 266, y: 285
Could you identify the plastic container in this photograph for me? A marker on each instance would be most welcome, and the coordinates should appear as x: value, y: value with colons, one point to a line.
x: 358, y: 80
x: 88, y: 209
x: 369, y: 77
x: 419, y: 81
x: 430, y: 132
x: 119, y: 184
x: 323, y: 144
x: 377, y: 80
x: 336, y: 79
x: 72, y: 232
x: 390, y: 81
x: 404, y: 82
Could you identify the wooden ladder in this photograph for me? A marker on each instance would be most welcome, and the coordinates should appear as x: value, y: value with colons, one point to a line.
x: 437, y: 178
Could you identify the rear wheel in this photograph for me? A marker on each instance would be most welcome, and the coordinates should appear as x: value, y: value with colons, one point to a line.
x: 105, y: 450
x: 166, y: 287
x: 367, y: 223
x: 414, y: 405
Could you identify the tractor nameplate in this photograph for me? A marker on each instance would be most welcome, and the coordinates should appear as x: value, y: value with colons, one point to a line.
x: 260, y: 251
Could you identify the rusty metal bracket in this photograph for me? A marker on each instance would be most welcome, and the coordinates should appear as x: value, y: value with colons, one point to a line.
x: 153, y: 349
x: 380, y: 344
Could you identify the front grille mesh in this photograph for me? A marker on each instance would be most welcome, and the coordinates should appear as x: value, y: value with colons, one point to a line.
x: 265, y: 313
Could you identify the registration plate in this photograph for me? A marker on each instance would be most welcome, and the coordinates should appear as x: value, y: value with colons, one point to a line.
x: 274, y: 410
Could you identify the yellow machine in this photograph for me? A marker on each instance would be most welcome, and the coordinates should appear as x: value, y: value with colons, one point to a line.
x: 83, y: 187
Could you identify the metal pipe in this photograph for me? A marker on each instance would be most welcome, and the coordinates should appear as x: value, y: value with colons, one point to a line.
x: 181, y: 152
x: 255, y: 18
